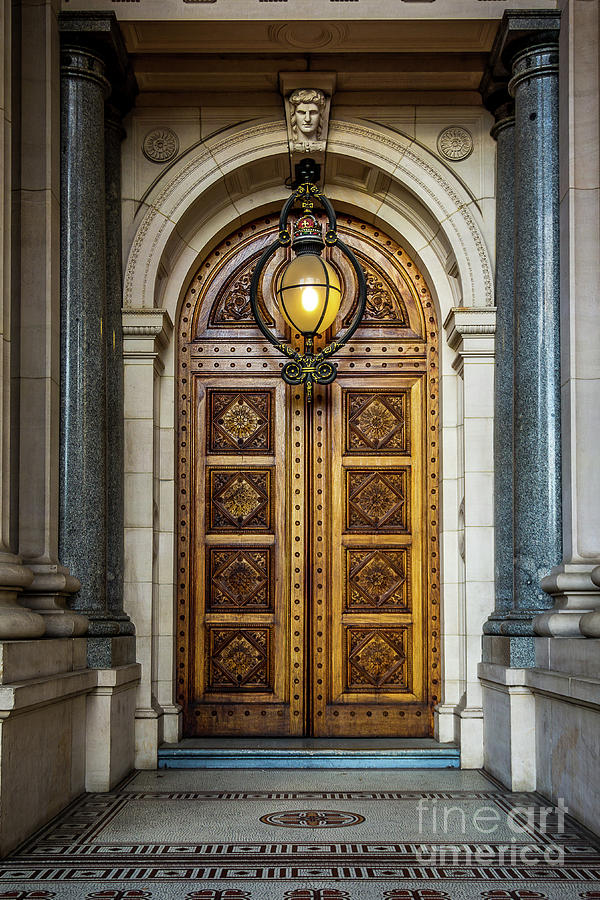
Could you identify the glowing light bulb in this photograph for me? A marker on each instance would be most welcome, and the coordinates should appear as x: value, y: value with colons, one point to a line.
x: 310, y: 299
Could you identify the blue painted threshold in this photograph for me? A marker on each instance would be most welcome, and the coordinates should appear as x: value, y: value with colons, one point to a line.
x: 307, y: 753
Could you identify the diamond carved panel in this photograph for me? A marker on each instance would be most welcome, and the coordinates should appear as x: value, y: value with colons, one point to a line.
x: 378, y: 580
x: 239, y: 578
x: 239, y: 499
x: 377, y: 500
x: 239, y: 659
x: 239, y: 421
x: 377, y: 659
x: 377, y: 421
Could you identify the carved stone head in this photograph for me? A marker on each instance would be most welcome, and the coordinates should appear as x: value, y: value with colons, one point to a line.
x: 306, y: 114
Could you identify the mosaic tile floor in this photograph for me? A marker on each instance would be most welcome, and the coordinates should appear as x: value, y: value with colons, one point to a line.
x: 307, y: 835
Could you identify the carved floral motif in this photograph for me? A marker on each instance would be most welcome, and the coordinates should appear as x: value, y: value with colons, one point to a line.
x: 239, y: 499
x: 377, y: 580
x: 239, y: 658
x: 377, y: 658
x: 160, y: 145
x: 376, y: 500
x: 239, y: 579
x: 239, y: 420
x: 376, y: 421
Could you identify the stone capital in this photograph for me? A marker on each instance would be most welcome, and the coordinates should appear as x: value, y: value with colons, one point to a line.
x: 98, y: 33
x: 146, y: 333
x: 470, y: 331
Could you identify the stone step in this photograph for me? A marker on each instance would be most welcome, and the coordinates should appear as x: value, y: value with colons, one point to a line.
x: 304, y: 753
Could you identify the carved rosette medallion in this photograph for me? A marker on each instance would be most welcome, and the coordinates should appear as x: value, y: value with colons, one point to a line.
x: 160, y: 145
x: 455, y: 143
x: 376, y: 500
x: 239, y: 578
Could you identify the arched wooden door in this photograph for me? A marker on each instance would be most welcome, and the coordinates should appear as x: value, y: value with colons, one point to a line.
x: 307, y: 554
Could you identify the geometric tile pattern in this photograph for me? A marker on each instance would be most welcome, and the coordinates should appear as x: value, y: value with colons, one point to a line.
x: 239, y: 499
x: 239, y: 658
x: 377, y: 580
x: 239, y: 421
x: 72, y: 859
x: 377, y: 659
x: 239, y: 578
x: 377, y: 422
x: 377, y: 500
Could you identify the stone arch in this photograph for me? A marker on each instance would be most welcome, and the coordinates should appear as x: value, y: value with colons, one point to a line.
x: 237, y: 174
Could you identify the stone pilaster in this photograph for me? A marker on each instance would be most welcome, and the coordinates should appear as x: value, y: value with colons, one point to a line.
x: 15, y: 621
x: 52, y: 584
x: 91, y: 467
x: 470, y: 332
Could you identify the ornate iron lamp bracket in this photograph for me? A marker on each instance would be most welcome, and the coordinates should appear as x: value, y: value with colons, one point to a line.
x: 308, y: 368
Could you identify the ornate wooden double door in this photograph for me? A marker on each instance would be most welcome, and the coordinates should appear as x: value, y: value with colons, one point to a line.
x: 307, y: 554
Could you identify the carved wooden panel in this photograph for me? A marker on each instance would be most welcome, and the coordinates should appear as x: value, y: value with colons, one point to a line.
x: 377, y: 659
x: 231, y: 307
x: 239, y: 420
x: 239, y: 659
x: 377, y: 500
x: 377, y: 421
x: 378, y: 580
x: 386, y: 306
x: 239, y: 579
x: 239, y: 499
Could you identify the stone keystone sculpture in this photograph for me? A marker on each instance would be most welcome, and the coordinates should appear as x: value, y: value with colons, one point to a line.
x: 308, y: 119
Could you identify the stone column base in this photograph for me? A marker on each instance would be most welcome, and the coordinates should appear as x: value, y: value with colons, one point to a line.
x: 575, y: 595
x: 517, y: 651
x: 108, y: 652
x: 110, y: 741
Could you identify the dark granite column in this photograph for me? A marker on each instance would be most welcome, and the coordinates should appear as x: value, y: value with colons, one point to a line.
x: 114, y: 134
x: 91, y: 454
x: 537, y: 497
x: 82, y: 517
x: 503, y: 131
x: 524, y: 62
